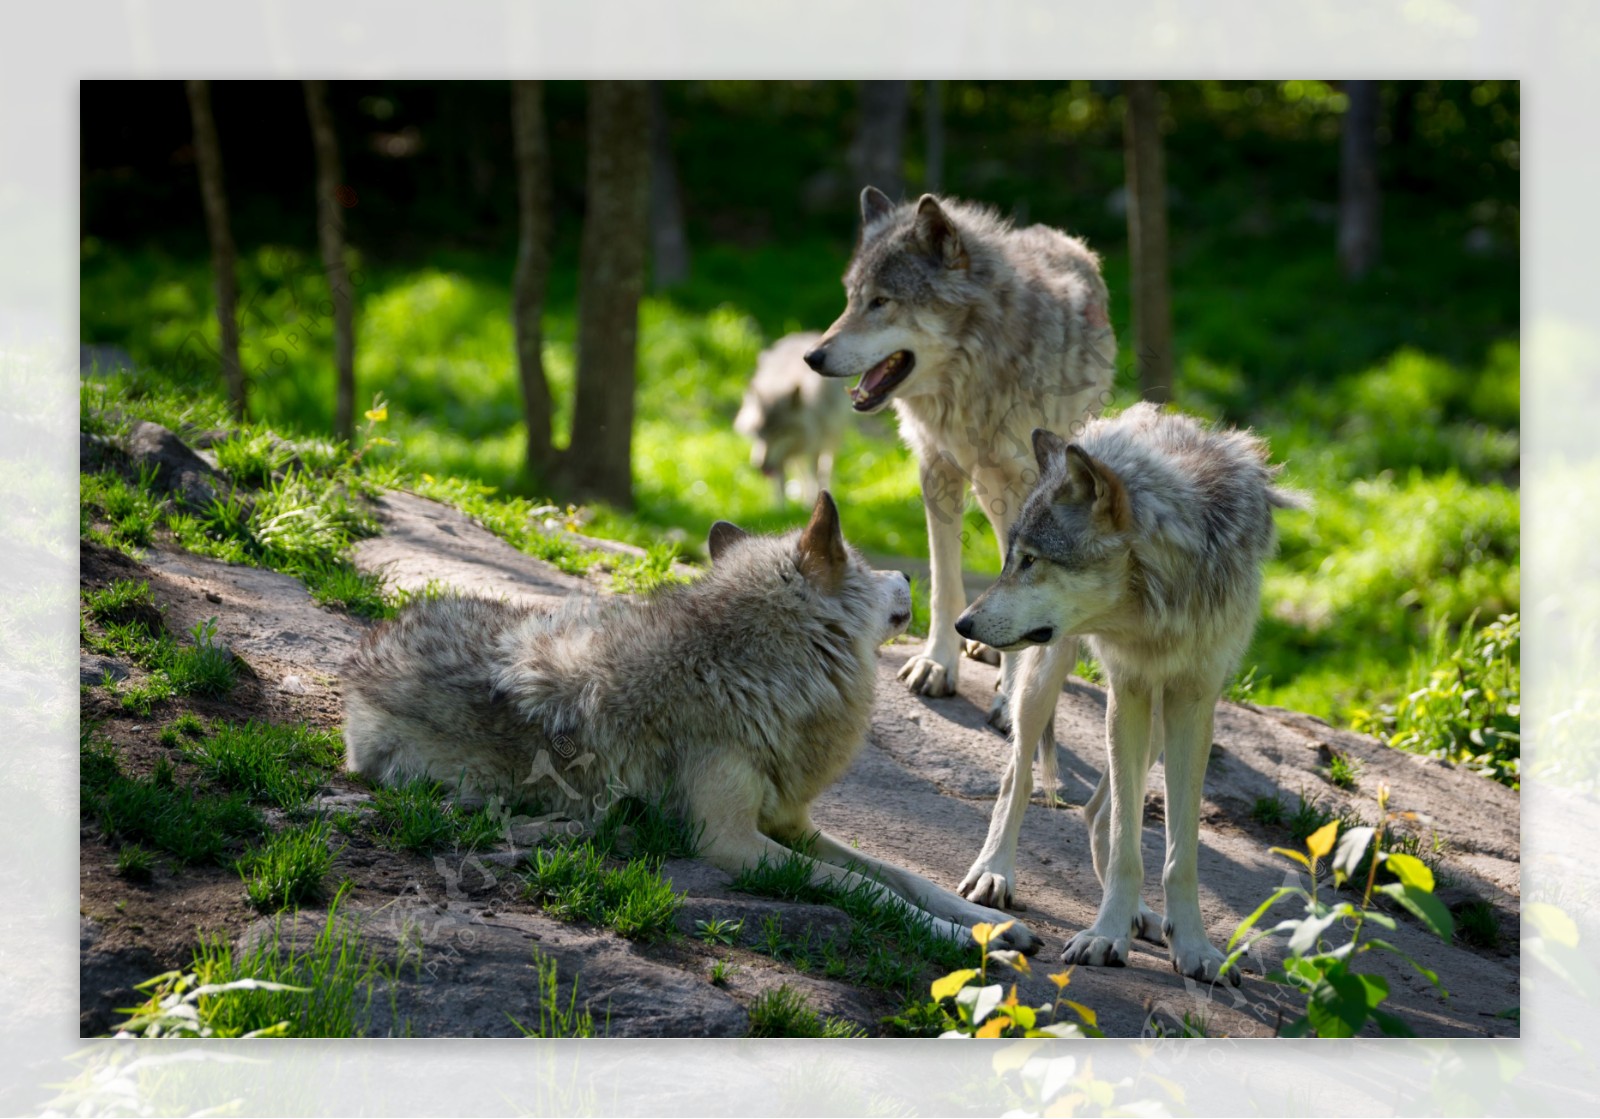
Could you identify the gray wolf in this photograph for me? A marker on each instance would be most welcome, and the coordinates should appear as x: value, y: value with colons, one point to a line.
x: 735, y: 700
x: 977, y: 333
x: 1146, y: 535
x: 793, y: 419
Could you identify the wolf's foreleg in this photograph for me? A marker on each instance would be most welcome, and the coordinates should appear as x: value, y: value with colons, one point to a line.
x: 922, y: 893
x: 1188, y: 725
x: 993, y: 875
x: 1128, y: 730
x: 1097, y: 816
x: 944, y: 493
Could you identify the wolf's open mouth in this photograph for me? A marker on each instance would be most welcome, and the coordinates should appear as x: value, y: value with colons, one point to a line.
x: 878, y: 382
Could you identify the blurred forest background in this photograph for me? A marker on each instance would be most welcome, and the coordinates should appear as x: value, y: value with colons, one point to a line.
x: 1341, y: 259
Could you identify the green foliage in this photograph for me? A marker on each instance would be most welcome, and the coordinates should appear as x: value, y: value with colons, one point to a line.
x: 191, y: 826
x: 1268, y: 811
x: 203, y: 668
x: 556, y: 1018
x: 785, y: 1012
x: 1462, y: 701
x: 135, y: 863
x: 575, y: 881
x: 649, y: 572
x: 290, y: 868
x: 965, y: 1004
x: 1339, y: 1000
x: 1342, y: 770
x: 130, y: 511
x: 638, y: 828
x: 321, y: 989
x: 417, y: 817
x: 182, y: 1005
x: 719, y: 930
x: 1477, y: 924
x: 268, y: 763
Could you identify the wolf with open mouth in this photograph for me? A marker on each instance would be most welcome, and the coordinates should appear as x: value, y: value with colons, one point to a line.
x: 977, y: 332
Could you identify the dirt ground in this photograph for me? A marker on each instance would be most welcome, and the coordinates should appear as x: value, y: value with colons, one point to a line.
x: 919, y: 794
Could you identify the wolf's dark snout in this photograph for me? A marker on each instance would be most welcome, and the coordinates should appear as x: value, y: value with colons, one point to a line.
x: 817, y: 358
x: 964, y: 626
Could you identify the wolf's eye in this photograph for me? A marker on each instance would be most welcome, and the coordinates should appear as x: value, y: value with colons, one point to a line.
x: 1025, y: 562
x: 877, y: 302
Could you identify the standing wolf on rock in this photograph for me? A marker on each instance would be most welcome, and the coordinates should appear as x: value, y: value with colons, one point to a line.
x: 978, y: 333
x: 1146, y: 535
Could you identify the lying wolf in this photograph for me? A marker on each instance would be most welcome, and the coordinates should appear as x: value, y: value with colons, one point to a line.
x: 977, y: 333
x: 1147, y: 535
x: 736, y: 699
x: 793, y: 419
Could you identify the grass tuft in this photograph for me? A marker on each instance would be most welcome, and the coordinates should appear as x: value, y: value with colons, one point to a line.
x: 290, y: 868
x: 575, y: 881
x: 785, y: 1012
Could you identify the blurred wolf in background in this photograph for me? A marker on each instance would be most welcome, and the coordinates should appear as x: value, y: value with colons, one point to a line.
x: 1146, y: 534
x: 978, y: 333
x: 735, y: 700
x: 794, y: 419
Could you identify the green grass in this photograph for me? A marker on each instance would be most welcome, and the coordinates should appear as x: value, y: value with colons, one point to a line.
x: 192, y: 826
x: 578, y: 882
x: 290, y: 868
x: 335, y: 973
x: 1477, y: 924
x: 785, y: 1012
x: 636, y: 828
x: 1269, y: 811
x: 130, y: 627
x: 268, y: 763
x: 1342, y: 771
x: 135, y: 863
x: 557, y: 1017
x: 417, y: 817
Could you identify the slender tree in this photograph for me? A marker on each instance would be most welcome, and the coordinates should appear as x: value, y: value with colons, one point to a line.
x: 875, y: 157
x: 1147, y: 240
x: 933, y: 136
x: 598, y: 463
x: 1360, y: 202
x: 330, y: 240
x: 669, y: 243
x: 532, y: 152
x: 208, y: 158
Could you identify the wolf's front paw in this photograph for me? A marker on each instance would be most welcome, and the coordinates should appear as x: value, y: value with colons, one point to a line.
x: 1000, y: 713
x: 1200, y: 961
x: 927, y: 676
x: 988, y: 883
x: 1094, y: 949
x: 978, y: 651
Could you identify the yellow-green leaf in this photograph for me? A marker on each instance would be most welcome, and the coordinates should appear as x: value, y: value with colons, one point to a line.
x: 1410, y: 870
x: 984, y: 933
x: 1320, y: 842
x: 1084, y: 1012
x: 950, y: 984
x: 379, y: 414
x: 1062, y: 978
x: 992, y: 1027
x: 1295, y: 855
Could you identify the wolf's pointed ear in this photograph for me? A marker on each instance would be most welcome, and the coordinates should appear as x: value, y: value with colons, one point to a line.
x: 1098, y: 484
x: 723, y: 536
x: 938, y: 235
x: 875, y: 205
x: 1047, y: 447
x: 822, y: 554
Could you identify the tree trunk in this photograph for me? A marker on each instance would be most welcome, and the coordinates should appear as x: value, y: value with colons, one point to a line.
x: 532, y: 153
x: 880, y: 136
x: 669, y: 243
x: 933, y: 136
x: 330, y: 239
x: 616, y: 227
x: 1147, y: 241
x: 1359, y: 198
x: 208, y: 158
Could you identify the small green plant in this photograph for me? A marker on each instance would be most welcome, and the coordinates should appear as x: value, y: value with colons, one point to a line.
x: 1308, y: 817
x: 188, y: 724
x: 966, y: 1004
x: 206, y: 668
x: 290, y: 868
x: 1243, y: 686
x: 182, y: 1005
x: 154, y: 811
x: 269, y: 763
x: 1339, y: 1000
x: 649, y: 572
x: 574, y: 881
x: 124, y: 601
x: 1477, y: 924
x: 556, y: 1018
x: 320, y: 989
x: 719, y: 930
x: 416, y: 817
x: 720, y: 970
x: 1268, y: 811
x: 1462, y: 701
x: 785, y: 1012
x: 1343, y: 770
x: 135, y: 863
